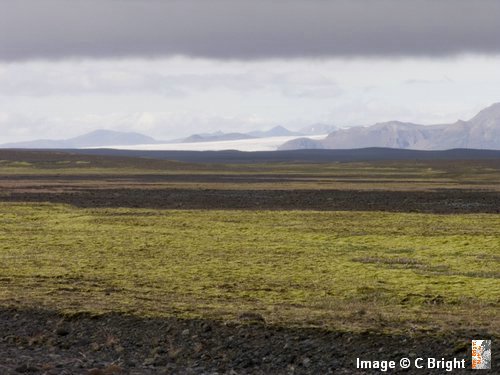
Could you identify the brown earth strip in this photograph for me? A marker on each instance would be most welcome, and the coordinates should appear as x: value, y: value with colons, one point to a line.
x: 439, y: 201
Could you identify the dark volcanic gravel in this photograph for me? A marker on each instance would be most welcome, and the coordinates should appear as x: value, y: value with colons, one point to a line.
x: 438, y: 201
x: 41, y: 342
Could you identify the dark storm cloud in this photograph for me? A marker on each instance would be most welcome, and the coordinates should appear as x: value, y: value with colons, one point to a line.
x: 246, y: 29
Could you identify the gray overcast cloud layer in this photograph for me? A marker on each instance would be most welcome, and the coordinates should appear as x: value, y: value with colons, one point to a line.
x: 246, y: 29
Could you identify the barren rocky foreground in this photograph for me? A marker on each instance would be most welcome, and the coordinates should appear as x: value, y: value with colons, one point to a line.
x: 44, y: 342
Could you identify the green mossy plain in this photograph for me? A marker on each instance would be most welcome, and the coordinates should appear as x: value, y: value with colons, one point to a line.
x: 337, y: 270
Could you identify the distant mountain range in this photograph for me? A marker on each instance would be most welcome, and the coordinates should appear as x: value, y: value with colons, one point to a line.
x: 480, y: 132
x: 104, y: 138
x: 96, y: 138
x: 277, y: 131
x: 216, y: 137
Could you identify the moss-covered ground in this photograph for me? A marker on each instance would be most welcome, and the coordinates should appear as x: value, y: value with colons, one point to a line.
x: 340, y: 270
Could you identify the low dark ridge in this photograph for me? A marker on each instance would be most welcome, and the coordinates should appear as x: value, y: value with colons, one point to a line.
x: 300, y: 156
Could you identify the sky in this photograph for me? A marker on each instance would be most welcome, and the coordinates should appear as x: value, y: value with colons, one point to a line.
x: 173, y: 68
